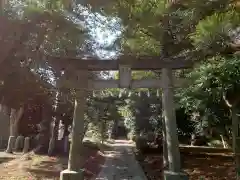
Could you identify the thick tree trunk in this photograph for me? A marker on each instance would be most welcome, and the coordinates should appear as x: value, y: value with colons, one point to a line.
x: 15, y: 117
x: 85, y: 128
x: 65, y: 138
x: 2, y: 5
x: 115, y: 129
x: 232, y: 100
x: 236, y: 139
x: 102, y: 130
x: 5, y: 124
x: 54, y: 135
x: 66, y: 131
x: 44, y: 133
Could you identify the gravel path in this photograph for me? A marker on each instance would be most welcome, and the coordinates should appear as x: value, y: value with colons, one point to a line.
x: 121, y: 164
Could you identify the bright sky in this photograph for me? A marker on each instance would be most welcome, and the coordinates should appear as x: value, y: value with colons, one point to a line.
x: 103, y: 30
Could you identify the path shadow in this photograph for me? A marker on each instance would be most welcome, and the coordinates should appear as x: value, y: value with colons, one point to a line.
x: 49, y: 165
x: 47, y: 169
x: 209, y: 166
x: 44, y: 174
x: 5, y: 159
x: 205, y: 166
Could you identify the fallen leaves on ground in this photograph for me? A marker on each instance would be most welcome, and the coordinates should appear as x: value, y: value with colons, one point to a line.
x: 36, y: 167
x: 207, y: 167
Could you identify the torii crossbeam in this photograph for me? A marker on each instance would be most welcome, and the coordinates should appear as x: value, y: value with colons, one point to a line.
x: 136, y: 63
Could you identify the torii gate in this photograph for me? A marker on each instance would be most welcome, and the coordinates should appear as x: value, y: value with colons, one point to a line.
x: 77, y: 76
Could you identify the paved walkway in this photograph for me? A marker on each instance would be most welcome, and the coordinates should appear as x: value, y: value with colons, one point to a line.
x: 121, y: 164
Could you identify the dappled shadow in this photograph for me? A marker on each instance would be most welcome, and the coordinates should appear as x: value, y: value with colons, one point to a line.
x: 59, y: 165
x: 93, y: 165
x: 5, y: 159
x: 152, y: 166
x: 209, y: 167
x: 122, y: 143
x: 121, y: 163
x: 199, y: 166
x: 44, y: 174
x: 51, y: 167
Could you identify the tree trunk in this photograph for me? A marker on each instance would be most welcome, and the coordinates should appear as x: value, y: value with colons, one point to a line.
x: 44, y: 133
x: 85, y: 128
x: 15, y: 117
x: 2, y: 5
x: 102, y: 131
x: 66, y: 131
x: 115, y: 129
x: 193, y: 139
x: 236, y: 139
x: 54, y: 135
x: 5, y: 124
x: 224, y: 142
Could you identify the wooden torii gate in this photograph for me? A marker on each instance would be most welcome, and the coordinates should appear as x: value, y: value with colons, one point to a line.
x: 77, y: 75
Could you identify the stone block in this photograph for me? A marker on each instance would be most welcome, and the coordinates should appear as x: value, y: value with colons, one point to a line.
x: 19, y: 143
x: 71, y: 175
x: 26, y: 145
x: 11, y: 143
x: 169, y: 175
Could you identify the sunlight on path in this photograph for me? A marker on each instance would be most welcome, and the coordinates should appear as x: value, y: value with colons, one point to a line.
x: 121, y: 163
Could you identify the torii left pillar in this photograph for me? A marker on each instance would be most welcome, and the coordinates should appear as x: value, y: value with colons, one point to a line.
x: 75, y: 162
x: 174, y: 170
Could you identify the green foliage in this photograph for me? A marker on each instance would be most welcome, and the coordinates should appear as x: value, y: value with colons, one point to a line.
x: 211, y: 80
x: 137, y: 18
x: 45, y: 28
x: 102, y: 112
x: 154, y: 27
x: 213, y: 34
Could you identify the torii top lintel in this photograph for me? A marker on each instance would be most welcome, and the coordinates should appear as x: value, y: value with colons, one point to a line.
x: 135, y: 63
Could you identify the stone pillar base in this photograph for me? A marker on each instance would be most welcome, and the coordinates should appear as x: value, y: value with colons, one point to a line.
x: 71, y: 175
x: 11, y: 143
x: 169, y: 175
x: 26, y: 145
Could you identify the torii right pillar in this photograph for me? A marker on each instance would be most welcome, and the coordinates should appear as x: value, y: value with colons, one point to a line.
x: 174, y: 164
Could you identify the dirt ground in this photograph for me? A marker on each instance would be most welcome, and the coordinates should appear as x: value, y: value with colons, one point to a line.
x: 35, y: 167
x: 199, y: 167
